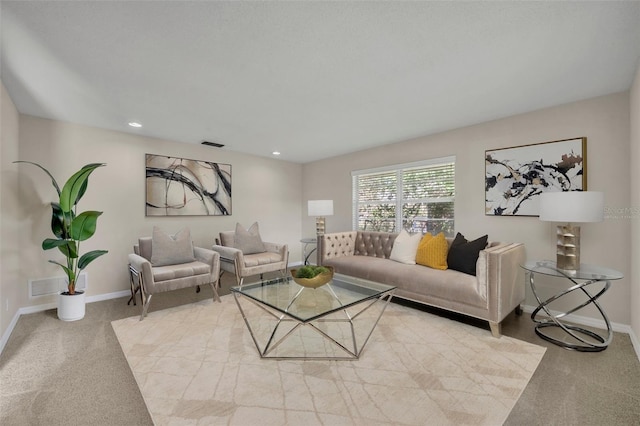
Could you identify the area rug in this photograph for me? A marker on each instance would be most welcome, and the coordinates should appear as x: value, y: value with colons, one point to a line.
x: 197, y: 364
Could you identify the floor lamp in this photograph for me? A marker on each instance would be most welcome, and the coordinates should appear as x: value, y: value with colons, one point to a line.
x: 570, y: 207
x: 320, y: 209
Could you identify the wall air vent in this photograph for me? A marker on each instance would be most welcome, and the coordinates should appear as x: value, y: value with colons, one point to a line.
x: 214, y: 144
x: 54, y: 285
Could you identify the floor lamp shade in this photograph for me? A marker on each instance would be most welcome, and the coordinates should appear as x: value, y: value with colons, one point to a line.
x: 570, y: 207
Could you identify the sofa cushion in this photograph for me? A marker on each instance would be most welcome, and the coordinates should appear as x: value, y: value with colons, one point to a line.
x: 463, y: 254
x: 413, y: 279
x: 248, y: 240
x: 173, y: 272
x: 432, y: 251
x: 171, y: 249
x: 405, y: 247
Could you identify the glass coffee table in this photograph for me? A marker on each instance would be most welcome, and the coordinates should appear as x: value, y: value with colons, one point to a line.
x: 335, y: 321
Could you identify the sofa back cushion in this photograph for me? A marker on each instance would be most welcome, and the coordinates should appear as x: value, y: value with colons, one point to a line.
x: 373, y: 243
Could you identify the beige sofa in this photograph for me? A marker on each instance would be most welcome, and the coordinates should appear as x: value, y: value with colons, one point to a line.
x: 497, y: 289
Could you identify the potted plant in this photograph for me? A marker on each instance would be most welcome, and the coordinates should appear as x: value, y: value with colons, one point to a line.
x: 69, y: 229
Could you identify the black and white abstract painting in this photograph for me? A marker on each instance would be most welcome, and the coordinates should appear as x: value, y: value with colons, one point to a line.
x: 183, y: 187
x: 515, y: 177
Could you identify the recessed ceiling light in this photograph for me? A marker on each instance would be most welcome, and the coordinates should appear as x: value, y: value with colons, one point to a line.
x: 276, y: 152
x: 135, y: 124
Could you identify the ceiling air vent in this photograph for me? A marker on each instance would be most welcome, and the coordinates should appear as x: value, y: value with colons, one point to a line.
x: 214, y: 144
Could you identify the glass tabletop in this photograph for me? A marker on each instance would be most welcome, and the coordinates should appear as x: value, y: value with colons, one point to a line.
x: 308, y: 304
x: 586, y: 272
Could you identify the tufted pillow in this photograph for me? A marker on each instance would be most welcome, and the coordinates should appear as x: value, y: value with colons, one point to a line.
x: 405, y: 247
x: 248, y: 241
x: 171, y: 249
x: 463, y: 255
x: 432, y: 251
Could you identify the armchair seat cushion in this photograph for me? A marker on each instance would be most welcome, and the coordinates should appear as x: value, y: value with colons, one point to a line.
x: 172, y: 272
x: 258, y: 259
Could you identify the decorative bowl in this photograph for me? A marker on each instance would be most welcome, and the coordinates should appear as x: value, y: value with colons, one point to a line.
x: 315, y: 282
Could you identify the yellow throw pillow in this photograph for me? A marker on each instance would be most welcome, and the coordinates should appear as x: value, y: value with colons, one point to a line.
x: 432, y: 251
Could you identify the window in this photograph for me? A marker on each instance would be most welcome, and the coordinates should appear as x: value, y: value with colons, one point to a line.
x: 418, y: 197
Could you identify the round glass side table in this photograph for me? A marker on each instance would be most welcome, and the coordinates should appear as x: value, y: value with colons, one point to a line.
x: 306, y: 254
x: 580, y: 280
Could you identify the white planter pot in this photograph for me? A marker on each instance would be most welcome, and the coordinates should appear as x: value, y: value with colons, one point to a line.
x: 71, y: 306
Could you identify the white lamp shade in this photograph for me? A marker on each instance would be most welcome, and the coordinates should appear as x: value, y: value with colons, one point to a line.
x: 320, y: 207
x: 572, y: 206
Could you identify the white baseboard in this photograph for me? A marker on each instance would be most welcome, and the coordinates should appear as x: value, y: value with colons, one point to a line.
x: 46, y: 306
x: 592, y: 322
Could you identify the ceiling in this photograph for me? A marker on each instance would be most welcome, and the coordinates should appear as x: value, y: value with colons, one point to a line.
x: 309, y: 79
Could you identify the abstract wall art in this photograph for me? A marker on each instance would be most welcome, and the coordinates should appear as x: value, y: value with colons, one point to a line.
x: 515, y: 177
x: 183, y: 187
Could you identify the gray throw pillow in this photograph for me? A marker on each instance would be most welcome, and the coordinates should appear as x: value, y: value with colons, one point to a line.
x: 248, y: 241
x: 171, y: 249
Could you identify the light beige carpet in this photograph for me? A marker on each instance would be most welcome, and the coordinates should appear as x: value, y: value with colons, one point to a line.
x: 197, y: 365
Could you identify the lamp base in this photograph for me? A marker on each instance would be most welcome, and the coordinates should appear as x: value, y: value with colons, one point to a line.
x: 568, y: 247
x: 320, y: 226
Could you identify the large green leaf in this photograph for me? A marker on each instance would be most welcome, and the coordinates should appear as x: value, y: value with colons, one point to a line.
x: 76, y: 186
x: 67, y: 247
x: 84, y: 226
x: 89, y: 257
x: 53, y: 180
x: 70, y: 274
x: 60, y: 221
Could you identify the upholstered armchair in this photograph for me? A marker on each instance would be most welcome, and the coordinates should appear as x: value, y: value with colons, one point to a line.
x: 164, y: 263
x: 244, y: 254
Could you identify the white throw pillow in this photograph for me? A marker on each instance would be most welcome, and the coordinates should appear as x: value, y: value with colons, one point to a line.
x: 405, y: 247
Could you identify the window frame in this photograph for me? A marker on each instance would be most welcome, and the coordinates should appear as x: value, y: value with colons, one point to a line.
x: 399, y: 200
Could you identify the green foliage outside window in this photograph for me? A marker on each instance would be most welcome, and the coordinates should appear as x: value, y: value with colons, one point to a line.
x: 418, y: 199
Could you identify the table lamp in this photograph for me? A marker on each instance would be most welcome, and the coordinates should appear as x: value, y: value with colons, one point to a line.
x: 570, y: 207
x: 320, y: 209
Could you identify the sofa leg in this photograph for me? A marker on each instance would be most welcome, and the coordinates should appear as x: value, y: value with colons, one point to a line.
x: 519, y: 310
x: 496, y: 329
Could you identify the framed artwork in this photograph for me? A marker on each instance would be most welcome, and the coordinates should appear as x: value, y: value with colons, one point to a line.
x: 183, y: 187
x: 515, y: 177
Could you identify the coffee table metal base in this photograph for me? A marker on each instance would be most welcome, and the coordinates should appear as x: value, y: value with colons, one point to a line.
x: 286, y: 326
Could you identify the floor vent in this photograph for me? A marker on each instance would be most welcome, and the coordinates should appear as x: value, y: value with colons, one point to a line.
x: 54, y: 285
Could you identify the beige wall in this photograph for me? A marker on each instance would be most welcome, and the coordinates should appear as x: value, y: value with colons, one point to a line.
x: 605, y: 123
x: 264, y: 190
x: 635, y: 203
x: 275, y: 192
x: 11, y: 295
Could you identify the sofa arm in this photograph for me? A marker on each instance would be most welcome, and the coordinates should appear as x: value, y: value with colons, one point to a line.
x: 211, y: 258
x: 502, y: 276
x: 143, y: 267
x: 281, y: 249
x: 337, y: 244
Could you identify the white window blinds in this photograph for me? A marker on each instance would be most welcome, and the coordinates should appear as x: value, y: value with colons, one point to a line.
x: 418, y: 197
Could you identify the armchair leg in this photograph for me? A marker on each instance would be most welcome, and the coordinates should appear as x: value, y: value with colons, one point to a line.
x: 145, y: 306
x: 216, y: 296
x: 197, y: 289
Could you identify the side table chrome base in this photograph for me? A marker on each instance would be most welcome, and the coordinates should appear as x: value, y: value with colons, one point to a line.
x: 596, y: 343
